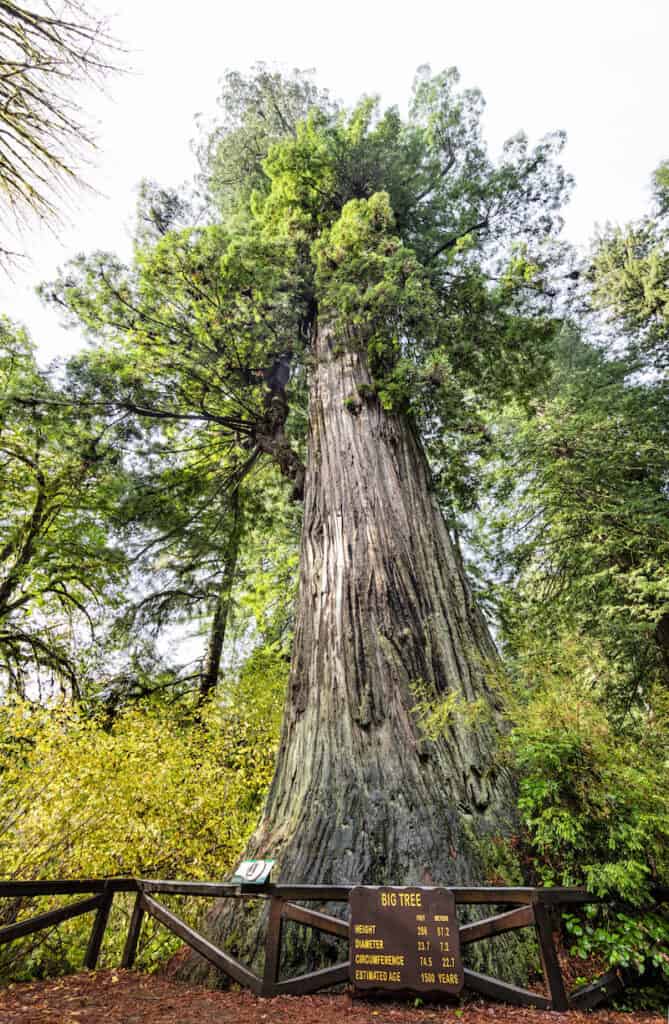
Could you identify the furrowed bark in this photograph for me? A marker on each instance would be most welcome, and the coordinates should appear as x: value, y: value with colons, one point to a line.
x: 359, y: 794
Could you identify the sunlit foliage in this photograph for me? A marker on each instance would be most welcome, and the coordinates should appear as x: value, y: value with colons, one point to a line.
x: 151, y: 794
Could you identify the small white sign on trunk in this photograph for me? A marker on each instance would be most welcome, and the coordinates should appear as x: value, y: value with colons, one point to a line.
x: 252, y: 872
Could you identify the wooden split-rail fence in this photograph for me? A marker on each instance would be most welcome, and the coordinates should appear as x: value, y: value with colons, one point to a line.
x: 524, y: 907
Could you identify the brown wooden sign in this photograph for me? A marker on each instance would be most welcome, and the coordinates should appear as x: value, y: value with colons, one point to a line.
x: 404, y: 938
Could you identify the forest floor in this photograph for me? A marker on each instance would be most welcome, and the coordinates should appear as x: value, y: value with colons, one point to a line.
x: 128, y: 997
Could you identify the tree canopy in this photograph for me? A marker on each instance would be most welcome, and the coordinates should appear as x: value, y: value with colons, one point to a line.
x: 407, y: 232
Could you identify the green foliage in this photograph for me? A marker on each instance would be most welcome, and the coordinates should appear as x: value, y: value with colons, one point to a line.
x: 435, y: 716
x: 402, y: 234
x: 152, y: 795
x: 424, y: 255
x: 58, y: 566
x: 629, y: 275
x: 181, y: 370
x: 573, y: 530
x: 206, y: 562
x: 594, y: 799
x: 255, y: 113
x: 371, y: 285
x: 577, y: 522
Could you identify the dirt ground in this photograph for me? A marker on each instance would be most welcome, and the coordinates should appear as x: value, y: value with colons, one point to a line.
x: 127, y: 997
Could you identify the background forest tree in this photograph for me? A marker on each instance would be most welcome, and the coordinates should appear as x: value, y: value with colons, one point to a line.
x: 369, y: 314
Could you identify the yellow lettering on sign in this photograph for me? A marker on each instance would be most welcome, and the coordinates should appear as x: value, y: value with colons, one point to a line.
x: 371, y: 975
x: 388, y: 899
x: 383, y: 959
x: 365, y: 929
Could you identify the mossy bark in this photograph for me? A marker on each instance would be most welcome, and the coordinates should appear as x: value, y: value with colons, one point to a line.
x: 359, y: 794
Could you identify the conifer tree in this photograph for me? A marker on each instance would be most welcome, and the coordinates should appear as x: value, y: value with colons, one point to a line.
x: 365, y: 287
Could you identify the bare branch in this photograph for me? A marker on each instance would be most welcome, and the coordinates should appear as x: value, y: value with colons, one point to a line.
x: 45, y: 56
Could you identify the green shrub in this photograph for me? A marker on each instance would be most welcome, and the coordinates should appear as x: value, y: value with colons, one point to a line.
x: 156, y: 794
x: 594, y: 798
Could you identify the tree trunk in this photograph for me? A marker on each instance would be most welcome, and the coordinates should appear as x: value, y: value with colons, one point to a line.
x: 662, y: 641
x: 359, y: 794
x: 209, y: 677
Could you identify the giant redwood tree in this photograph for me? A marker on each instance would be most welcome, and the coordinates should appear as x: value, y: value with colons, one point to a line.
x: 367, y: 285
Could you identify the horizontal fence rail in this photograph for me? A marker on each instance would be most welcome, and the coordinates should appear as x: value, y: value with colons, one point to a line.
x: 524, y: 906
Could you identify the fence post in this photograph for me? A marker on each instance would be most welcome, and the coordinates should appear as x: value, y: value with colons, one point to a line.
x: 273, y: 946
x: 98, y: 929
x: 557, y: 992
x: 130, y: 948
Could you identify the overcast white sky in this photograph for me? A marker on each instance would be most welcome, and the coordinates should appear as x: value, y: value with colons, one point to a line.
x: 596, y: 68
